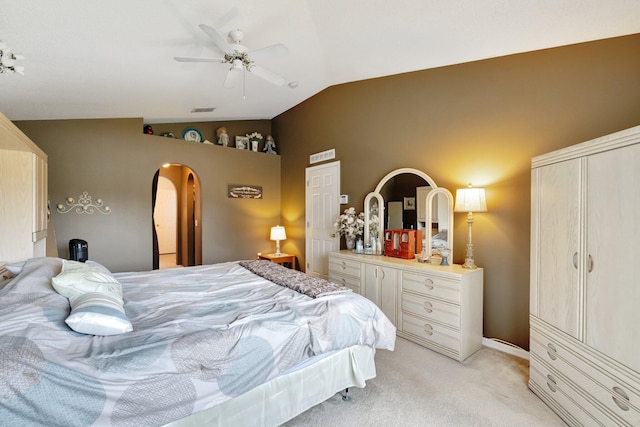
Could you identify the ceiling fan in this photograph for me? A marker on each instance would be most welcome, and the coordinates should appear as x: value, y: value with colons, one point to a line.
x: 240, y: 58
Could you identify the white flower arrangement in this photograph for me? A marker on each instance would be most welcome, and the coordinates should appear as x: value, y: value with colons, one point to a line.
x: 255, y: 136
x: 350, y: 224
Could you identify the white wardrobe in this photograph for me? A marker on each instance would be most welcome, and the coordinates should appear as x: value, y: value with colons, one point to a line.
x: 585, y: 280
x: 23, y: 195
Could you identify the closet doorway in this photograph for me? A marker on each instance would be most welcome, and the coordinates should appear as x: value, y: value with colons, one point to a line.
x: 176, y: 217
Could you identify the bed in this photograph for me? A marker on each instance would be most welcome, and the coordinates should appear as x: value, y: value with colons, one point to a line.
x: 236, y: 343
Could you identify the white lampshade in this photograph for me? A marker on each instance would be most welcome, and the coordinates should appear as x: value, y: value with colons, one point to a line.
x: 278, y: 233
x: 470, y: 200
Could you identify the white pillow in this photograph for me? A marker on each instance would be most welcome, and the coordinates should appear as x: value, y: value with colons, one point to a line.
x: 97, y: 313
x: 77, y: 278
x: 97, y: 265
x: 97, y: 307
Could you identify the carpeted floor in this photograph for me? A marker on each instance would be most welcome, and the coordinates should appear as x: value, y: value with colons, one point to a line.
x: 418, y: 387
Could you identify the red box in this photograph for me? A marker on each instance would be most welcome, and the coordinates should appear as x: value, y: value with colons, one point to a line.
x: 402, y: 243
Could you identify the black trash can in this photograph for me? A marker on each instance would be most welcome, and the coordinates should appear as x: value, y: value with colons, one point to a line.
x: 78, y: 250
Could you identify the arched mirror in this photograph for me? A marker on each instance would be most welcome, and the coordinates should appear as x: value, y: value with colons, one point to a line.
x: 401, y: 200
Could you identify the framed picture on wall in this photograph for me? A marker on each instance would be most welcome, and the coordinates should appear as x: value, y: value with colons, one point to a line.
x: 409, y: 203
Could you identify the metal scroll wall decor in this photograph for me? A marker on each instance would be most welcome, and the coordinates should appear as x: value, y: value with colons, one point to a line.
x: 84, y: 205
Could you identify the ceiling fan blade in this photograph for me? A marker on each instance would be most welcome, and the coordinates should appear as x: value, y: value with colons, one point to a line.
x: 233, y: 76
x: 273, y: 51
x: 269, y: 76
x: 190, y: 59
x: 217, y: 38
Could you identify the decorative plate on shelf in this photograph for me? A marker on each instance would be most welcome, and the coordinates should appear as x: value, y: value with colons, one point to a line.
x: 192, y: 134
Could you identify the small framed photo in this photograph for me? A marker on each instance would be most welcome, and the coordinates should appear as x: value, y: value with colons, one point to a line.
x: 409, y: 203
x: 242, y: 142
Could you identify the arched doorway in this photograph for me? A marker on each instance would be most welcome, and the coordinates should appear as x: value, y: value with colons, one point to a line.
x: 187, y: 213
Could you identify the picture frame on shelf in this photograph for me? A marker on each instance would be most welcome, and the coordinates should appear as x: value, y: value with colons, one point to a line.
x: 409, y: 204
x: 242, y: 142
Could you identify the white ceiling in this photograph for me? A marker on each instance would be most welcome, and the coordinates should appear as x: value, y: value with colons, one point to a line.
x: 114, y: 59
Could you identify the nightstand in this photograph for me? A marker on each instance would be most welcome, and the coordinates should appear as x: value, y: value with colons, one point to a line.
x: 281, y: 259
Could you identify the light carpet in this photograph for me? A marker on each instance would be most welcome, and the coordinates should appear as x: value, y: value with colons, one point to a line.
x: 415, y: 386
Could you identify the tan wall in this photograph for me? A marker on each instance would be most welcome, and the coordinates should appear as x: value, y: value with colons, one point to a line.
x: 115, y: 161
x: 478, y: 122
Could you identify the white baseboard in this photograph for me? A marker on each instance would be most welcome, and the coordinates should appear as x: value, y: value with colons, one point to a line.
x: 506, y: 347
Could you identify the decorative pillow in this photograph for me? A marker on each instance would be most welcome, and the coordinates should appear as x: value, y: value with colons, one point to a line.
x: 97, y: 307
x: 97, y: 313
x: 97, y: 265
x: 78, y: 278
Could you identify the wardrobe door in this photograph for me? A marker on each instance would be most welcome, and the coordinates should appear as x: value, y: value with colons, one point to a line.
x: 612, y: 261
x: 556, y: 241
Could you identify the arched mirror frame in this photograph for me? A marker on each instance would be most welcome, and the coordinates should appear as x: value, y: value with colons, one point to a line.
x: 429, y: 210
x: 375, y: 195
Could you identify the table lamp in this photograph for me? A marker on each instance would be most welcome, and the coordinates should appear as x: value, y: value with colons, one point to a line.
x: 277, y: 234
x: 470, y: 200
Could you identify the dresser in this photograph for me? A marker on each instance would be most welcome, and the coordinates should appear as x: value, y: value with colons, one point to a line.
x: 439, y: 307
x: 585, y: 289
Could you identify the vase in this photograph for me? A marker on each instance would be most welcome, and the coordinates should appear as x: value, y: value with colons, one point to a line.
x: 351, y: 243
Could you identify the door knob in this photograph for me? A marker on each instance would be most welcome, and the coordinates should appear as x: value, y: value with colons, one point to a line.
x: 332, y: 235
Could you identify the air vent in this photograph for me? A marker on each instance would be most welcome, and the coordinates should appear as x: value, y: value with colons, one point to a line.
x: 203, y: 109
x: 321, y: 157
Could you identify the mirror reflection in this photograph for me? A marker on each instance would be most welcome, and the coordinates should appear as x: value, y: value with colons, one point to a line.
x: 401, y: 201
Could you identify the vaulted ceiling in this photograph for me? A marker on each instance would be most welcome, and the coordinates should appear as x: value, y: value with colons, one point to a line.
x: 114, y: 59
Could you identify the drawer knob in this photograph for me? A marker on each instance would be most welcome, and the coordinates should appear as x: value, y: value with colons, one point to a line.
x: 551, y: 383
x: 428, y: 329
x: 622, y: 399
x: 428, y: 307
x: 343, y: 265
x: 552, y: 352
x: 428, y: 283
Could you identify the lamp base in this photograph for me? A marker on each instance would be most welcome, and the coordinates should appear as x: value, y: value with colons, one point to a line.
x: 468, y: 263
x: 468, y: 260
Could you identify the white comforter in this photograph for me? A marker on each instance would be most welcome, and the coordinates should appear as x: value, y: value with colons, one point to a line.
x: 201, y: 335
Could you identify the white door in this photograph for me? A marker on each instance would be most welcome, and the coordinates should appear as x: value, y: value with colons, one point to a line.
x: 165, y: 216
x: 322, y: 209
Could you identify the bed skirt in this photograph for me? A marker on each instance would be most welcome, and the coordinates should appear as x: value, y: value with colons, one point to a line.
x: 288, y: 395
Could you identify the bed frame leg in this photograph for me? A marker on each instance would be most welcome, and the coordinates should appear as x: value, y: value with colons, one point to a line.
x: 345, y: 395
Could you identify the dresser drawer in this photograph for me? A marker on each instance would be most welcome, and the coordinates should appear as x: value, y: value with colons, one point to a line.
x: 350, y: 282
x: 619, y: 398
x: 432, y: 286
x: 442, y: 312
x: 553, y: 387
x: 430, y: 331
x: 344, y: 266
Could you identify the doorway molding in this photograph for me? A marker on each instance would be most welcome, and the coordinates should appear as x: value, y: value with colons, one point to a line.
x: 189, y: 214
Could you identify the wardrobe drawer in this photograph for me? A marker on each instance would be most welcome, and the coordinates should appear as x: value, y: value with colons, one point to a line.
x: 555, y: 388
x: 344, y: 266
x: 619, y: 398
x: 442, y: 312
x: 350, y: 282
x: 430, y: 331
x: 433, y: 286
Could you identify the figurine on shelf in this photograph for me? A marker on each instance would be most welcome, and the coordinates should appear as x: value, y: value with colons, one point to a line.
x: 270, y: 145
x: 223, y: 138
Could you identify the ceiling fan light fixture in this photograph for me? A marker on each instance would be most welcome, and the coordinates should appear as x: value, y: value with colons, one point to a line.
x: 237, y: 64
